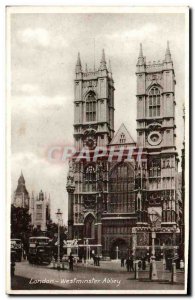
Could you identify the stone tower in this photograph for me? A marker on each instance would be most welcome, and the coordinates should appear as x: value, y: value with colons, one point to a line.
x: 156, y: 176
x: 38, y: 211
x: 21, y: 195
x: 87, y: 182
x: 93, y: 105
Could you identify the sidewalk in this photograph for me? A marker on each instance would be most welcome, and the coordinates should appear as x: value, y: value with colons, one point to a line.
x: 115, y: 266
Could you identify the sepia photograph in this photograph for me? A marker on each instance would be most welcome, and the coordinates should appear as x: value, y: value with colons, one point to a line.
x: 97, y: 150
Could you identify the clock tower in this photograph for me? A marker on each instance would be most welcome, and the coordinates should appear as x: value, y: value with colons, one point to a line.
x: 156, y: 177
x: 87, y: 182
x: 21, y: 195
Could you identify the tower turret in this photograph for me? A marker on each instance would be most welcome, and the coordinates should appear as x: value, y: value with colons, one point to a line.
x: 21, y: 180
x: 103, y: 62
x: 168, y: 53
x: 21, y: 196
x: 141, y: 59
x: 110, y: 69
x: 78, y: 65
x: 86, y: 68
x: 141, y: 62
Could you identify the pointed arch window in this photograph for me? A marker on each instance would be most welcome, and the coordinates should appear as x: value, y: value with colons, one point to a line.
x: 121, y: 189
x: 154, y: 168
x: 89, y: 182
x: 154, y: 102
x: 91, y: 107
x: 90, y: 173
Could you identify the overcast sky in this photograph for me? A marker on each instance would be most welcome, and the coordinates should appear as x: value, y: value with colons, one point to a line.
x: 44, y: 50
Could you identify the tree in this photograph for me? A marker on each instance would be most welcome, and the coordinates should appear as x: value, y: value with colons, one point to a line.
x: 52, y: 231
x: 20, y: 223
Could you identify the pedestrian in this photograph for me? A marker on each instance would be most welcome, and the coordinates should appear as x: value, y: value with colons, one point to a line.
x: 139, y: 264
x: 122, y: 262
x: 131, y: 264
x: 94, y: 260
x: 71, y: 262
x: 181, y: 264
x: 98, y: 261
x: 13, y: 260
x: 143, y: 263
x: 128, y: 264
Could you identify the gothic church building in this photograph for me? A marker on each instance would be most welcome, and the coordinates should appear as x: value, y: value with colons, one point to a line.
x: 109, y: 202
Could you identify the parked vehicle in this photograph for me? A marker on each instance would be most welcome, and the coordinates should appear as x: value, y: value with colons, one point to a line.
x: 16, y: 247
x: 40, y: 250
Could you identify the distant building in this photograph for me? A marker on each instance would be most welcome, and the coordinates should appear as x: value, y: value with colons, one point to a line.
x: 40, y: 211
x: 38, y: 207
x: 21, y: 195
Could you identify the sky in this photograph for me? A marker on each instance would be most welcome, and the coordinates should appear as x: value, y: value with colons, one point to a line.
x: 44, y: 51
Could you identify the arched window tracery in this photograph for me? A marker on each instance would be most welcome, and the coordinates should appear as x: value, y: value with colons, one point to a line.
x: 121, y: 189
x: 89, y: 178
x: 154, y: 102
x: 91, y: 107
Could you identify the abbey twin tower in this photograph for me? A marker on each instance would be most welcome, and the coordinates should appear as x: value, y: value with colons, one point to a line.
x: 113, y: 203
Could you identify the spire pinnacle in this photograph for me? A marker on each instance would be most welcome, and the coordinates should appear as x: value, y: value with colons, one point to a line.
x: 140, y: 51
x: 110, y: 68
x: 141, y: 59
x: 168, y: 49
x: 78, y: 64
x: 103, y: 62
x: 168, y: 53
x: 21, y: 179
x: 78, y: 60
x: 103, y: 56
x: 86, y: 69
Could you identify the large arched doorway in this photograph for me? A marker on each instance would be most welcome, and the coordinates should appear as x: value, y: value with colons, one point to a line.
x: 122, y: 249
x: 89, y: 228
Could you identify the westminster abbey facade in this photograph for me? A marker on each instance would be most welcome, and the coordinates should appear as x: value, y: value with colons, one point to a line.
x: 109, y: 201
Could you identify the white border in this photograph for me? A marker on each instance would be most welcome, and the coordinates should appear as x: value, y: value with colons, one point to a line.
x: 93, y: 10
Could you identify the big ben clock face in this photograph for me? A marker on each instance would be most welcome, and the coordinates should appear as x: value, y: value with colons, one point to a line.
x: 18, y: 202
x: 154, y: 138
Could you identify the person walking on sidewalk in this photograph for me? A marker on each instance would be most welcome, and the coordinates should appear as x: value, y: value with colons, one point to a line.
x: 122, y: 262
x: 131, y: 264
x: 128, y: 264
x: 143, y: 263
x: 98, y: 261
x: 71, y: 262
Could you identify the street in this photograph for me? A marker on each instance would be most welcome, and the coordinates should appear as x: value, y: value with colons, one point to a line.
x: 109, y: 276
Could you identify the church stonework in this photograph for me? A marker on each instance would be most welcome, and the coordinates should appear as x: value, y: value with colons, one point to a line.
x: 156, y: 177
x: 108, y: 201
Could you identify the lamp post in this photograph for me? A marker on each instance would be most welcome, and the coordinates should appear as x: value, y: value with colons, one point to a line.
x: 87, y: 249
x: 153, y: 219
x: 59, y: 217
x: 117, y: 250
